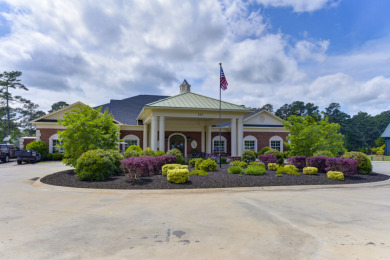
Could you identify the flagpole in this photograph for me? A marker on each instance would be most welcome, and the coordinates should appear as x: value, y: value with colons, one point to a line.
x: 220, y: 138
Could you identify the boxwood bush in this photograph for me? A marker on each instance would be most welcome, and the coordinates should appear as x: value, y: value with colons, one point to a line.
x: 176, y: 152
x: 238, y: 163
x: 255, y: 170
x: 310, y: 170
x: 198, y: 173
x: 178, y: 175
x: 208, y: 165
x: 248, y: 156
x: 159, y: 153
x: 193, y: 161
x: 235, y: 169
x: 273, y: 166
x: 98, y: 165
x: 335, y: 175
x: 56, y: 156
x: 39, y: 146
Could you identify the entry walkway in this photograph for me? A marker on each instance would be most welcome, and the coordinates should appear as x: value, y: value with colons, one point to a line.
x: 327, y: 223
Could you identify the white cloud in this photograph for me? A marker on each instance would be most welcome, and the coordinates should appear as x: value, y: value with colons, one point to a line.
x: 306, y: 50
x: 300, y: 5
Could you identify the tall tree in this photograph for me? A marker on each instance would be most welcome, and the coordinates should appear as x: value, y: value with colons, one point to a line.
x: 268, y: 107
x: 10, y: 80
x: 298, y: 108
x: 29, y: 112
x: 335, y: 115
x: 57, y: 106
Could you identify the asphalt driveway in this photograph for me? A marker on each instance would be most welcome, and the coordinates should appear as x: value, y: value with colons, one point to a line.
x: 39, y: 221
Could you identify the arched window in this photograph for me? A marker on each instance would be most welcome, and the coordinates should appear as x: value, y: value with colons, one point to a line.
x: 130, y: 140
x: 219, y: 146
x: 178, y: 141
x: 53, y: 141
x: 276, y: 142
x: 250, y: 143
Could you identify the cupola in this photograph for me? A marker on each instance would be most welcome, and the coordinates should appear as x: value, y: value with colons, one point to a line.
x: 185, y: 87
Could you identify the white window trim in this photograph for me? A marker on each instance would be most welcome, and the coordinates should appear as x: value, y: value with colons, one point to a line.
x: 130, y: 137
x: 51, y: 139
x: 223, y: 139
x: 277, y: 138
x: 250, y: 138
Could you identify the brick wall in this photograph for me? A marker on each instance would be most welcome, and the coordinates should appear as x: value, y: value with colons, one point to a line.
x: 46, y: 133
x: 263, y: 138
x: 197, y: 136
x: 26, y: 141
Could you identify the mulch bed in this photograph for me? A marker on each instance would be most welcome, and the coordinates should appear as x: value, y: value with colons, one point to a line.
x: 218, y: 179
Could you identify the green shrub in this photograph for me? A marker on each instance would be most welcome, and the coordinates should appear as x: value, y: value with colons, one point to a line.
x: 176, y: 152
x: 49, y: 156
x: 199, y: 173
x: 235, y: 169
x: 39, y: 146
x: 172, y: 166
x: 248, y: 156
x: 116, y: 158
x: 310, y: 170
x: 279, y: 175
x: 257, y: 164
x: 178, y: 175
x: 135, y: 148
x: 208, y: 165
x: 223, y: 159
x: 56, y: 156
x: 278, y: 155
x: 264, y: 149
x: 97, y: 165
x: 325, y: 153
x: 291, y: 170
x: 334, y: 175
x: 197, y: 163
x: 148, y: 152
x: 159, y: 153
x: 273, y: 166
x: 286, y: 154
x: 131, y: 153
x: 193, y: 161
x: 238, y: 163
x: 280, y: 169
x: 255, y: 170
x: 364, y: 165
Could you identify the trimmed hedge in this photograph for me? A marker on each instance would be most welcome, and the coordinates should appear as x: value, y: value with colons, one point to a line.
x: 298, y: 161
x: 178, y: 175
x: 273, y: 166
x: 344, y: 165
x: 319, y: 162
x: 364, y: 165
x: 238, y: 163
x: 288, y: 169
x: 255, y: 170
x: 235, y: 170
x: 267, y: 158
x: 208, y: 165
x: 98, y: 165
x: 310, y: 170
x: 335, y: 175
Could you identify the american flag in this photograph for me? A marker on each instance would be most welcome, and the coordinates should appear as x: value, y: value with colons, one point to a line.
x: 223, y: 81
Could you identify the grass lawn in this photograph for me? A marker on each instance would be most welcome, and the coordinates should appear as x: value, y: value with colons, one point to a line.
x: 379, y: 158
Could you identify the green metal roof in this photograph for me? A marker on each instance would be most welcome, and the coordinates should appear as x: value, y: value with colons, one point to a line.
x: 386, y: 133
x: 191, y: 100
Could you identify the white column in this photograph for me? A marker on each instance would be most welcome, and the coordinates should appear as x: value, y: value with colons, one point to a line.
x: 145, y: 137
x: 202, y: 145
x: 208, y: 142
x: 38, y: 135
x: 240, y: 136
x: 153, y: 133
x: 162, y: 133
x: 233, y: 140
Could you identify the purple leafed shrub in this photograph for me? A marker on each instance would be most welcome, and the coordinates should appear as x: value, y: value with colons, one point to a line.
x: 135, y: 167
x: 345, y: 165
x: 298, y: 161
x: 267, y: 158
x: 319, y: 162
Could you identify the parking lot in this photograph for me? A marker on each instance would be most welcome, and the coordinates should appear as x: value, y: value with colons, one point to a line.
x: 39, y: 221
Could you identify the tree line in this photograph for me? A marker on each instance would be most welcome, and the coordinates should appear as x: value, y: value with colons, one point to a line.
x: 360, y: 131
x: 16, y: 112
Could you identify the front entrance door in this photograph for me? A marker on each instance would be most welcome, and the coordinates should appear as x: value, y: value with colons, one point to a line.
x: 177, y: 141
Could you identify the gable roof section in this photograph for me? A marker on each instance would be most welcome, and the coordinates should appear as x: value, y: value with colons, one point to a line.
x: 191, y: 100
x: 386, y: 133
x: 57, y: 112
x: 127, y: 110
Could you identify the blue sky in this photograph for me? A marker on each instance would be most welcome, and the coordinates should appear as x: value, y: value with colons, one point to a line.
x: 273, y: 51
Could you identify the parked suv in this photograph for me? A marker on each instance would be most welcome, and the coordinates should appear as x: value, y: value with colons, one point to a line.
x: 7, y: 151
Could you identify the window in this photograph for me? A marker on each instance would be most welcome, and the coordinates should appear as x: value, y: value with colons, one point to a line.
x: 130, y: 140
x: 250, y: 143
x: 219, y: 144
x: 276, y: 142
x: 56, y: 142
x: 219, y: 147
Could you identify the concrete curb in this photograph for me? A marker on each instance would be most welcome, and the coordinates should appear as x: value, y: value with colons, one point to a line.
x: 40, y: 184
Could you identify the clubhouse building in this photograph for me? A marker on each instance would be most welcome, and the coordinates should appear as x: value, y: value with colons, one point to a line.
x: 187, y: 121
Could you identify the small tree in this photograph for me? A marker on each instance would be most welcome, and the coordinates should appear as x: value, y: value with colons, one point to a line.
x: 86, y: 129
x: 308, y: 136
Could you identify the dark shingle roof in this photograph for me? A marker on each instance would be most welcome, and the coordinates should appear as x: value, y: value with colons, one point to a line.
x: 127, y: 110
